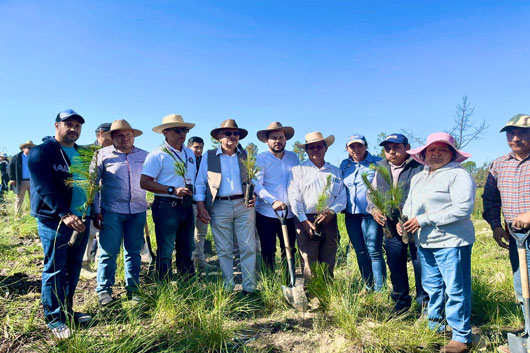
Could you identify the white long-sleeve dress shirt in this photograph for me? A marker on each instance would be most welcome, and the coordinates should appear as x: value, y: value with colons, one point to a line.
x: 230, y: 177
x: 272, y: 180
x: 307, y: 182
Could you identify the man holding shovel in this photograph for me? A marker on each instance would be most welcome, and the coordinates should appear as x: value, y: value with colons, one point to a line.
x: 120, y: 210
x: 312, y: 184
x: 508, y: 189
x: 173, y: 189
x: 271, y: 188
x: 401, y: 168
x: 55, y: 205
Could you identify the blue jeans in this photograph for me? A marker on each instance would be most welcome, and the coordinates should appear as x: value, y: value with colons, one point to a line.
x: 366, y: 237
x: 446, y: 277
x: 514, y: 261
x: 118, y: 227
x: 396, y: 257
x: 174, y: 228
x: 62, y: 266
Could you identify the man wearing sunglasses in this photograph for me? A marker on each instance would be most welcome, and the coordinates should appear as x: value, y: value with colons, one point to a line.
x: 172, y: 214
x: 316, y: 194
x: 220, y: 201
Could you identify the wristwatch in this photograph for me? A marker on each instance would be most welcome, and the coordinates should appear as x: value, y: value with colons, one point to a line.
x: 170, y: 190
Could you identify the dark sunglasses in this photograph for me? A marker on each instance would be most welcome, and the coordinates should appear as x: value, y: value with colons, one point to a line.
x: 230, y: 133
x: 315, y: 147
x: 179, y: 130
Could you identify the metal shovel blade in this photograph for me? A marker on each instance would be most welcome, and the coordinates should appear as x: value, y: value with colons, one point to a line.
x: 517, y: 344
x: 296, y: 297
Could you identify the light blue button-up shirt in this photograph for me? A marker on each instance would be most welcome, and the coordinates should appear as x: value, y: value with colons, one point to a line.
x: 120, y: 181
x: 352, y: 174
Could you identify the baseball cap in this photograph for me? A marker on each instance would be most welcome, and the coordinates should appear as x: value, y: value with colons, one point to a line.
x: 67, y: 114
x: 103, y: 127
x: 3, y: 154
x: 355, y: 138
x: 395, y: 138
x: 520, y: 120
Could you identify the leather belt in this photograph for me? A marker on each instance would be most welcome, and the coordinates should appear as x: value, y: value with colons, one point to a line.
x: 233, y: 197
x: 174, y: 201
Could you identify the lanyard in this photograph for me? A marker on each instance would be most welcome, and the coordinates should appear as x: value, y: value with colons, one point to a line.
x: 175, y: 154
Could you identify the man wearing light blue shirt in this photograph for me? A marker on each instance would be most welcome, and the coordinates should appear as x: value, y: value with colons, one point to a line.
x: 271, y: 187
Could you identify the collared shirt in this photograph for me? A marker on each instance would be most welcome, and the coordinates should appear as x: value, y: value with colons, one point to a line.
x: 272, y: 180
x: 119, y: 174
x: 306, y: 183
x: 230, y: 176
x: 507, y: 188
x: 25, y: 169
x: 442, y: 203
x: 161, y: 166
x: 352, y: 172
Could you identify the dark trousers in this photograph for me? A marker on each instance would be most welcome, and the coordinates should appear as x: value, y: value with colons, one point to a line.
x: 62, y: 266
x: 396, y: 257
x: 270, y: 228
x: 174, y: 227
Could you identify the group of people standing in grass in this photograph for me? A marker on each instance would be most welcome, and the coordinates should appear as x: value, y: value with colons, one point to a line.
x: 192, y: 190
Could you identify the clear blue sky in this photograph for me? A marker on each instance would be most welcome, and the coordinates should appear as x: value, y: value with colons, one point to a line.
x: 335, y: 66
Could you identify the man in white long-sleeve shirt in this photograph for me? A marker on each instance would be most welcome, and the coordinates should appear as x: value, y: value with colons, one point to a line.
x: 271, y: 188
x: 220, y: 201
x: 307, y: 182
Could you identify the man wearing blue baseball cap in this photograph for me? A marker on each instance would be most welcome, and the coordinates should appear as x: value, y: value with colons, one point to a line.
x: 56, y: 208
x: 401, y: 168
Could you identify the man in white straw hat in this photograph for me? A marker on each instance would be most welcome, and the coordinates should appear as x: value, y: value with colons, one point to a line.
x: 220, y: 201
x: 120, y: 209
x: 19, y: 174
x: 173, y: 189
x: 271, y: 188
x: 316, y: 194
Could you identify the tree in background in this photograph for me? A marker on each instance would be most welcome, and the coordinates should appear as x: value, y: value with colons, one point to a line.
x: 465, y: 129
x: 300, y: 152
x: 215, y: 143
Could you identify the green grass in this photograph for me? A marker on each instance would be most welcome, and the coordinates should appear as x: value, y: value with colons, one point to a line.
x: 199, y: 316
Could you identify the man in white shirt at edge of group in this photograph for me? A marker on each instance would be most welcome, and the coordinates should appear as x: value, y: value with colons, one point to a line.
x: 307, y: 181
x: 271, y: 190
x: 172, y: 208
x: 220, y: 201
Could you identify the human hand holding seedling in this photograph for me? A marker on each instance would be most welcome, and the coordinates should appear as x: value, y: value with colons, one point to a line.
x: 379, y: 216
x: 411, y: 226
x: 74, y: 222
x: 324, y: 217
x: 182, y: 191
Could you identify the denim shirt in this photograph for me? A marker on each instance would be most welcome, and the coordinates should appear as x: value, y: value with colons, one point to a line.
x: 352, y: 175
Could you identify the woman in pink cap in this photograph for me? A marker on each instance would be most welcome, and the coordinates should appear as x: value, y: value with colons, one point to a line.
x: 439, y: 206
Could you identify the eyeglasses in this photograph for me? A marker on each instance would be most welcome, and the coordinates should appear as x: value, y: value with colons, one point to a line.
x: 315, y: 147
x: 179, y: 130
x: 230, y: 133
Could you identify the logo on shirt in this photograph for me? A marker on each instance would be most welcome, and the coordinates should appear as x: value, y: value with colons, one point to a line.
x: 190, y: 159
x: 60, y: 168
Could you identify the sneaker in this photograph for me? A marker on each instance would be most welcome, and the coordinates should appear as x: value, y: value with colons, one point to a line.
x: 105, y: 298
x: 60, y: 330
x: 134, y: 297
x: 206, y: 267
x: 82, y: 318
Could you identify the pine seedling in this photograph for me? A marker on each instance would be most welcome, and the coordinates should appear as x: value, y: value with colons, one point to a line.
x: 323, y: 197
x: 250, y: 165
x: 180, y: 167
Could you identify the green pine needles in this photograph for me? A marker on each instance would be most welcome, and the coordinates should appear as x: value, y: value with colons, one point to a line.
x: 323, y: 197
x: 83, y: 177
x: 250, y: 165
x: 386, y: 201
x: 180, y: 167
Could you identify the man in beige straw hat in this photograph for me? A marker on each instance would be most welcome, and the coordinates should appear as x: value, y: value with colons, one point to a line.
x: 271, y: 188
x: 316, y: 194
x: 219, y: 194
x: 172, y: 208
x: 120, y: 209
x: 19, y: 174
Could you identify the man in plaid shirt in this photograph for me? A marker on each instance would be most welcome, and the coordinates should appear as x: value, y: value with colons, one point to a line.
x: 508, y: 188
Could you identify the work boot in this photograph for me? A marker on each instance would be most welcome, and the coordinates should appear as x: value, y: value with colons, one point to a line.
x: 105, y: 298
x: 204, y: 266
x: 455, y: 347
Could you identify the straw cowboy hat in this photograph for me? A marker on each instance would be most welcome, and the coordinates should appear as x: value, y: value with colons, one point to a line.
x: 229, y: 124
x: 121, y: 124
x: 444, y: 137
x: 29, y: 144
x: 172, y: 120
x: 275, y: 126
x: 316, y: 136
